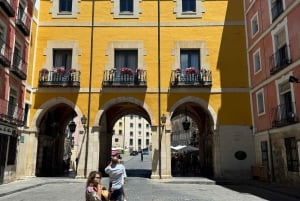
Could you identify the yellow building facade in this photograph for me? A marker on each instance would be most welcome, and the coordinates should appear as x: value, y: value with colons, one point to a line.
x: 107, y: 59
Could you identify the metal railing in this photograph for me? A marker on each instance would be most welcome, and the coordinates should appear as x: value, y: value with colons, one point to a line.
x: 284, y: 114
x: 279, y: 60
x: 19, y: 67
x: 59, y: 79
x: 203, y: 78
x: 23, y: 22
x: 5, y: 53
x: 127, y: 77
x: 9, y: 6
x: 11, y: 113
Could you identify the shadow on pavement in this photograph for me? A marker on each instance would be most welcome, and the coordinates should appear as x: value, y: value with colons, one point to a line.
x: 138, y: 173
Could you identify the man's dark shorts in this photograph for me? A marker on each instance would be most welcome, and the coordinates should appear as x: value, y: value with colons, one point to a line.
x: 117, y: 194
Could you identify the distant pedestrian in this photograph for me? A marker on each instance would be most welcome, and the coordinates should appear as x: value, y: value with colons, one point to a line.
x: 117, y: 173
x: 142, y: 156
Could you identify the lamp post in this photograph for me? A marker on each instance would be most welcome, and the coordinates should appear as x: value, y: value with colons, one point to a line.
x: 163, y: 119
x: 83, y: 122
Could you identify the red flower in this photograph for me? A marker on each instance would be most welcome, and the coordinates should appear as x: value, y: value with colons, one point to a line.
x: 126, y: 70
x: 191, y: 70
x: 178, y: 70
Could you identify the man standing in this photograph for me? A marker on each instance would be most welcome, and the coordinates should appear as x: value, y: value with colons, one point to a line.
x: 117, y: 173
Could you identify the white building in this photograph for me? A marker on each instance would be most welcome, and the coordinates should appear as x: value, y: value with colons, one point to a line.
x: 131, y: 133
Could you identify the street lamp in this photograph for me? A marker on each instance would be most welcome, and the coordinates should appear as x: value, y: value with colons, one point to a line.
x: 163, y: 119
x: 72, y: 126
x: 83, y: 122
x: 293, y: 79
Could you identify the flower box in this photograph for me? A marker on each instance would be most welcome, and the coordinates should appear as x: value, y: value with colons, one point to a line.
x: 126, y: 70
x: 191, y: 70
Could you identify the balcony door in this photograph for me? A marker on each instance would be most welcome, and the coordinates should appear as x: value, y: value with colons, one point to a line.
x: 126, y: 58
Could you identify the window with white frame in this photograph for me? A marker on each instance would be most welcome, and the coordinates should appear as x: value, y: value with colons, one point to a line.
x: 256, y: 61
x: 2, y: 40
x: 22, y: 10
x: 260, y: 102
x: 190, y: 54
x: 286, y: 105
x: 277, y: 7
x: 125, y: 54
x: 62, y: 54
x: 64, y: 8
x: 126, y: 8
x: 188, y: 8
x: 254, y: 24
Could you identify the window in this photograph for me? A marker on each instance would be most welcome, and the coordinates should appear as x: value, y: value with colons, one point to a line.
x: 188, y: 5
x: 120, y: 132
x: 190, y: 58
x: 254, y: 24
x: 12, y: 103
x: 120, y: 123
x: 260, y: 102
x: 188, y: 8
x: 65, y: 6
x: 116, y: 139
x: 126, y: 6
x: 256, y: 61
x: 131, y: 133
x: 276, y: 9
x: 2, y: 41
x: 140, y: 133
x: 147, y: 134
x: 130, y: 142
x: 140, y: 125
x: 291, y: 154
x: 147, y: 142
x: 264, y: 153
x: 139, y: 142
x: 26, y: 111
x: 17, y: 60
x: 286, y: 108
x: 62, y: 58
x: 126, y: 58
x: 131, y: 125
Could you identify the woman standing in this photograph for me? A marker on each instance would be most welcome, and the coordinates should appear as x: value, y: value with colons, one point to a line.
x: 93, y: 187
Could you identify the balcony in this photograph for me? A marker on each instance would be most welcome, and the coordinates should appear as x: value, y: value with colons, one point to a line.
x: 23, y: 22
x: 9, y: 7
x: 5, y: 53
x: 191, y: 78
x: 125, y: 77
x: 284, y: 115
x: 55, y: 78
x: 19, y: 67
x: 277, y: 9
x: 279, y: 60
x: 11, y: 113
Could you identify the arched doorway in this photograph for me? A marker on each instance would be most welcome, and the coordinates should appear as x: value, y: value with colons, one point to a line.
x: 54, y: 141
x: 191, y: 141
x: 109, y: 117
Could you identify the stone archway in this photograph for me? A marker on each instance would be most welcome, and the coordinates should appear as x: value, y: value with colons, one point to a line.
x: 198, y: 156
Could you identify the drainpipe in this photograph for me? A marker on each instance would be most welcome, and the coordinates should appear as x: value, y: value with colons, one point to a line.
x: 271, y: 158
x: 89, y: 93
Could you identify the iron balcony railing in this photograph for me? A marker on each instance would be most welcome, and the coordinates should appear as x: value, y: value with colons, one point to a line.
x: 54, y: 78
x: 19, y: 67
x: 190, y: 77
x: 23, y: 22
x: 284, y: 114
x: 9, y: 6
x: 11, y: 113
x: 277, y: 9
x: 279, y: 60
x: 125, y: 77
x: 5, y: 53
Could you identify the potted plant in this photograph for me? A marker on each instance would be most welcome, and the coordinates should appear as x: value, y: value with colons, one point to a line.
x: 191, y: 70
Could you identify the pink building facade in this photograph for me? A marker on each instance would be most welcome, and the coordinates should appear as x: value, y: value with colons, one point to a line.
x: 15, y: 25
x: 273, y: 51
